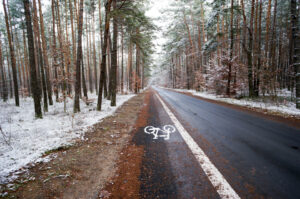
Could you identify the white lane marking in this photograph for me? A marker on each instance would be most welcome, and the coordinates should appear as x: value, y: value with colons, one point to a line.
x: 216, y: 178
x: 165, y: 132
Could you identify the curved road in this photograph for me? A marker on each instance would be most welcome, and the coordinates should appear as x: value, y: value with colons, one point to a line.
x: 258, y: 157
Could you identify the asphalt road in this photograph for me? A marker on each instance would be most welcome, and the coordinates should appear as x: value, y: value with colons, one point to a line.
x: 258, y: 157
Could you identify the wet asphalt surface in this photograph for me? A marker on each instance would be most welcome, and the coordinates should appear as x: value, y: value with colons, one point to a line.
x: 259, y: 158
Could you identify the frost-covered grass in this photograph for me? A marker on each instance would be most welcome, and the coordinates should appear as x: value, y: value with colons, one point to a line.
x: 25, y: 139
x: 284, y: 107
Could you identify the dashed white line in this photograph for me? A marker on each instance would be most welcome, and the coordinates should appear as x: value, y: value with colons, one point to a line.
x: 216, y: 178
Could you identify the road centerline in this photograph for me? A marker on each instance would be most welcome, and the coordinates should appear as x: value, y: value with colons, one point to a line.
x: 221, y: 185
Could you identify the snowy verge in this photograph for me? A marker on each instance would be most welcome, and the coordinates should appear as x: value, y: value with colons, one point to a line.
x: 25, y: 139
x: 288, y: 108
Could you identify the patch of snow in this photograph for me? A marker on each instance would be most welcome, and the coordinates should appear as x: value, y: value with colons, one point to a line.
x: 288, y: 108
x: 27, y: 139
x: 3, y: 194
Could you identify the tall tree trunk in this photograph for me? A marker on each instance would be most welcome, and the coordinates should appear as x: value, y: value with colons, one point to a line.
x: 73, y: 41
x: 250, y: 47
x: 143, y: 74
x: 36, y: 44
x: 3, y: 77
x: 193, y: 56
x: 101, y: 37
x: 273, y: 50
x: 40, y: 56
x: 105, y: 89
x: 114, y: 61
x: 101, y: 41
x: 218, y: 41
x: 73, y: 35
x: 26, y: 62
x: 228, y: 91
x: 255, y: 48
x: 19, y: 62
x: 54, y: 53
x: 22, y: 60
x: 258, y: 51
x: 103, y: 61
x: 188, y: 85
x: 45, y: 54
x: 36, y: 90
x: 69, y: 65
x: 91, y: 59
x: 94, y: 55
x: 296, y: 48
x: 45, y: 97
x: 129, y: 65
x: 12, y: 56
x: 88, y: 53
x: 76, y: 14
x: 266, y: 61
x: 79, y: 60
x: 83, y: 81
x: 199, y: 46
x: 203, y: 23
x: 122, y: 60
x: 63, y: 56
x: 100, y: 23
x: 108, y: 75
x: 137, y: 68
x: 9, y: 74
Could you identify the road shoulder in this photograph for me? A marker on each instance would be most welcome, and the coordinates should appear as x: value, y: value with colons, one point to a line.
x: 126, y: 182
x: 83, y: 169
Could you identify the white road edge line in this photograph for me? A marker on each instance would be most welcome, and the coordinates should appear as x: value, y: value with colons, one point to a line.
x: 216, y: 178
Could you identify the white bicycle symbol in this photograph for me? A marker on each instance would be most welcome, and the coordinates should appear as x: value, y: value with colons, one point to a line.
x: 157, y: 132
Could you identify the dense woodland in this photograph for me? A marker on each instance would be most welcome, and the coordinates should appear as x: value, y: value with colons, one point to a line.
x: 65, y: 49
x: 235, y: 47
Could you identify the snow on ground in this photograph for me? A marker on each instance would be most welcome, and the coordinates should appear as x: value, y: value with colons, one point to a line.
x: 24, y: 139
x: 288, y: 108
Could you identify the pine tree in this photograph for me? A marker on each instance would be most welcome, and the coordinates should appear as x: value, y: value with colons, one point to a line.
x: 45, y: 54
x: 33, y: 73
x: 12, y: 55
x: 296, y: 47
x: 40, y: 60
x: 104, y: 48
x: 79, y: 59
x: 3, y: 76
x: 114, y: 61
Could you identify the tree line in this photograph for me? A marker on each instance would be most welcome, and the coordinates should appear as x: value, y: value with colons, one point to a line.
x: 235, y: 47
x: 71, y: 47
